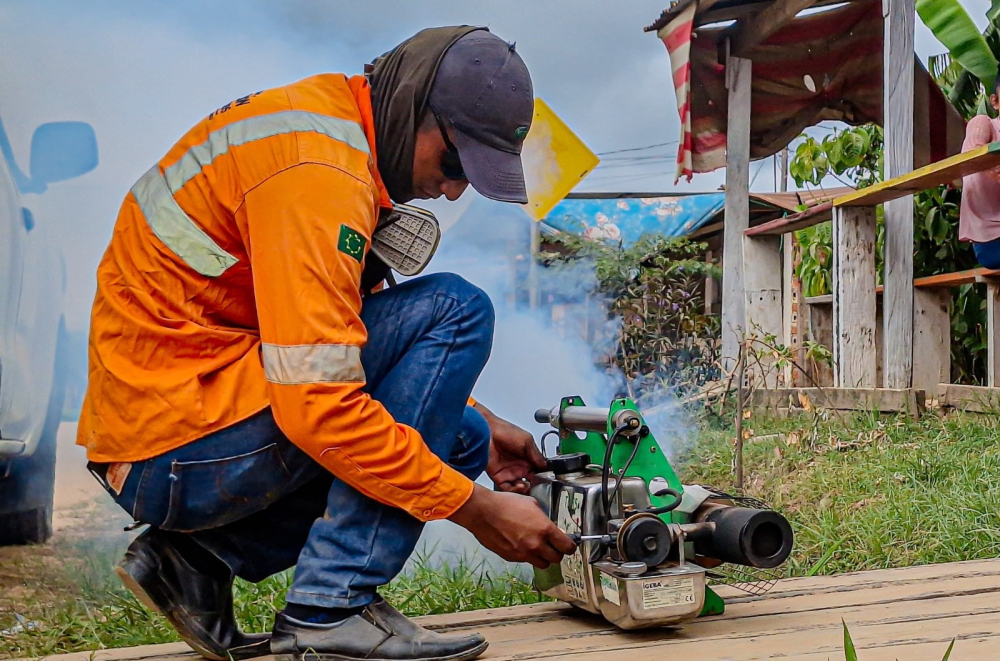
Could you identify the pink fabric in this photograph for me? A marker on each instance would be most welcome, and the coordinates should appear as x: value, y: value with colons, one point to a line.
x: 980, y: 214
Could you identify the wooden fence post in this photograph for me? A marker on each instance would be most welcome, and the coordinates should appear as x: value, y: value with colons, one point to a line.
x: 897, y: 348
x: 854, y: 297
x: 737, y: 212
x: 762, y: 278
x: 992, y: 333
x: 931, y: 339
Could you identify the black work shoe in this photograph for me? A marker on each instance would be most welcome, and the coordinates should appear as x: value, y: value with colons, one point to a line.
x: 198, y: 604
x: 379, y: 633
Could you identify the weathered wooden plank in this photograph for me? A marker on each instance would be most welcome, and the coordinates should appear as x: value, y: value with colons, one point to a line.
x: 818, y: 320
x: 762, y: 278
x: 883, y: 400
x: 791, y: 333
x: 973, y: 399
x: 915, y: 610
x: 752, y: 31
x: 738, y: 79
x: 827, y: 299
x: 955, y: 278
x: 992, y: 334
x: 711, y: 286
x: 943, y: 172
x: 914, y: 621
x: 826, y: 641
x: 919, y: 619
x: 820, y: 213
x: 897, y: 355
x: 931, y: 339
x: 854, y: 298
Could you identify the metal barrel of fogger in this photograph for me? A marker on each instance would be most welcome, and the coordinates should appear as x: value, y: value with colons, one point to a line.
x: 577, y: 418
x: 584, y: 418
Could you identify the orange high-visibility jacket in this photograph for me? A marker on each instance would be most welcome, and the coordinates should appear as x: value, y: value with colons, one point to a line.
x: 232, y: 283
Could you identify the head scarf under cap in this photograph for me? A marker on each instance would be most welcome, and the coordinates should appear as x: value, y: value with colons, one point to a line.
x: 401, y: 81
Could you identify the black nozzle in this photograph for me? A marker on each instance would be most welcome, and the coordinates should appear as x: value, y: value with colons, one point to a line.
x: 542, y: 416
x: 744, y: 536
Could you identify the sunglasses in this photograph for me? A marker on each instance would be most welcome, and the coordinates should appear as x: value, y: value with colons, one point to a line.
x: 451, y: 164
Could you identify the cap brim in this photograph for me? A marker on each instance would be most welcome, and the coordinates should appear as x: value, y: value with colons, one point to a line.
x: 494, y: 173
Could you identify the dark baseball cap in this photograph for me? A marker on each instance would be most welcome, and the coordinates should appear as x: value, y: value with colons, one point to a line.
x: 482, y: 88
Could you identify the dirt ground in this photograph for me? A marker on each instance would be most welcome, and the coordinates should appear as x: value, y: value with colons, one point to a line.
x: 88, y: 533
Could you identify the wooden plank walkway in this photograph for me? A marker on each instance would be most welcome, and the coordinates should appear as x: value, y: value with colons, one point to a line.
x: 907, y: 614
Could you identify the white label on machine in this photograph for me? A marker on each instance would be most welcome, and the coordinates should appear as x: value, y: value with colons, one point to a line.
x: 568, y: 519
x: 666, y: 591
x: 609, y: 586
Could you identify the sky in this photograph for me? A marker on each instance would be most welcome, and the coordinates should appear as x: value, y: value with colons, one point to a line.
x: 143, y: 71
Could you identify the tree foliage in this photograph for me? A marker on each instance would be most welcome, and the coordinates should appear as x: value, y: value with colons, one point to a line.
x: 652, y: 294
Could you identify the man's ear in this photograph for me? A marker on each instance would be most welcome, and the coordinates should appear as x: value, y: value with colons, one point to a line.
x: 995, y: 100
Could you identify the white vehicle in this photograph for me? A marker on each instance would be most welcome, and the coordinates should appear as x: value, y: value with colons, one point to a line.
x: 32, y: 335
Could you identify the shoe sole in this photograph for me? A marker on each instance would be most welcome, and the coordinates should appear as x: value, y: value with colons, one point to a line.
x: 141, y: 594
x: 310, y: 655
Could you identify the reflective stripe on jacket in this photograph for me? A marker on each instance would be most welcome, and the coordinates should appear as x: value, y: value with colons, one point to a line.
x: 232, y: 283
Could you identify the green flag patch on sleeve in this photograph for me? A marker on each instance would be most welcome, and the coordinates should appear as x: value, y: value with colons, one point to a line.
x: 351, y: 243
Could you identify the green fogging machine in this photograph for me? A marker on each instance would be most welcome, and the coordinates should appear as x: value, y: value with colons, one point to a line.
x: 646, y: 544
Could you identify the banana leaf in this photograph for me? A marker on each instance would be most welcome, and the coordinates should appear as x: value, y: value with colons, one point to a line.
x: 953, y: 27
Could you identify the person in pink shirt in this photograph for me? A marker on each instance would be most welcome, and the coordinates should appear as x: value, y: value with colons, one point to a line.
x: 979, y: 221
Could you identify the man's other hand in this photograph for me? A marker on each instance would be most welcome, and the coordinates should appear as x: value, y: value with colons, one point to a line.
x: 514, y: 527
x: 514, y: 457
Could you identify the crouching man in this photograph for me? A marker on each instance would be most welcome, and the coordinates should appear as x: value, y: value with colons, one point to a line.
x: 258, y: 409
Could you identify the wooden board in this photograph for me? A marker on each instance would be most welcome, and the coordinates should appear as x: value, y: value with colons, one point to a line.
x: 820, y: 213
x: 955, y: 279
x: 897, y: 102
x: 992, y: 334
x: 882, y: 400
x: 910, y: 614
x: 738, y: 78
x: 854, y: 306
x: 762, y: 278
x: 931, y: 339
x: 751, y: 31
x: 935, y: 174
x: 975, y: 399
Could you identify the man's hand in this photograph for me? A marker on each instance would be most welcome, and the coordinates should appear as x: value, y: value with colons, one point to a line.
x: 514, y: 527
x: 514, y: 457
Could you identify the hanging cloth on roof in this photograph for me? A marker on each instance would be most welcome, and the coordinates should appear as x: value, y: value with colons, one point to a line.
x: 824, y: 66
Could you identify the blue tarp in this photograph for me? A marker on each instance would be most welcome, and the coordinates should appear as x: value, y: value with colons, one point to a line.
x: 627, y: 219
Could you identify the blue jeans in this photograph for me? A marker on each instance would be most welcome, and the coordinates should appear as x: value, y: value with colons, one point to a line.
x: 988, y: 254
x: 257, y: 502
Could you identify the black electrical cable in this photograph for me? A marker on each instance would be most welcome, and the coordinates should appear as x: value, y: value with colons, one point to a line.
x: 669, y: 507
x: 606, y: 471
x: 621, y: 475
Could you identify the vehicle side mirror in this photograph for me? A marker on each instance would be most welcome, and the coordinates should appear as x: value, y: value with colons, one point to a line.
x: 60, y: 151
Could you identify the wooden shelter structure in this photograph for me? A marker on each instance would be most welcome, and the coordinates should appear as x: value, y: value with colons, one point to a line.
x: 750, y: 75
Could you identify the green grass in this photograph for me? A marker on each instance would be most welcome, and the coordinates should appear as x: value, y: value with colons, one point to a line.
x: 869, y: 492
x: 105, y: 615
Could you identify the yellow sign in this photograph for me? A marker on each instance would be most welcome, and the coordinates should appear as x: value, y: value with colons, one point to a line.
x: 555, y: 161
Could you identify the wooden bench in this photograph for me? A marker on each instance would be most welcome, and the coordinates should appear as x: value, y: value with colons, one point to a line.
x: 943, y: 172
x: 931, y: 328
x: 854, y: 325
